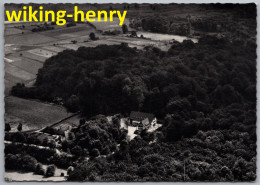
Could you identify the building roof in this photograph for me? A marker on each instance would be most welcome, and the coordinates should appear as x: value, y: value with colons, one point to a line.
x: 140, y: 116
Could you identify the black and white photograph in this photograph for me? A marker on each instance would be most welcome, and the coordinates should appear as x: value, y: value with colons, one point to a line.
x: 130, y: 92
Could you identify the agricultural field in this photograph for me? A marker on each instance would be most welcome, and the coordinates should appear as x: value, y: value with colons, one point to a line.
x: 15, y: 31
x: 53, y: 48
x: 42, y: 52
x: 29, y: 65
x: 29, y: 38
x: 18, y: 73
x: 33, y: 114
x: 60, y: 31
x: 25, y: 53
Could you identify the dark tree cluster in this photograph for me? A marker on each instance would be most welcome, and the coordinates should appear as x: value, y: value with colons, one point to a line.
x: 26, y: 163
x: 42, y: 155
x: 95, y: 137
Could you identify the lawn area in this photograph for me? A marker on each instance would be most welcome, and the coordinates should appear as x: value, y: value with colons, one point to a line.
x: 34, y: 114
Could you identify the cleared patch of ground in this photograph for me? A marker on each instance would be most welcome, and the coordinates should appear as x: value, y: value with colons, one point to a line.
x: 73, y: 122
x: 131, y: 131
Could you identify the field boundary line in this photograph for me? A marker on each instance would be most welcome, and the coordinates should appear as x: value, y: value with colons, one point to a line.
x: 64, y: 119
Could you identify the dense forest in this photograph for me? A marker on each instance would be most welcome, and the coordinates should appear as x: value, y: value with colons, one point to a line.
x: 204, y: 93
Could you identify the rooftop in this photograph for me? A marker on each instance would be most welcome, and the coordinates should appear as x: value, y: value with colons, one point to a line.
x: 140, y: 116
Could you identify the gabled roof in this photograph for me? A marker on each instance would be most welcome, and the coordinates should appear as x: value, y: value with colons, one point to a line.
x: 140, y: 116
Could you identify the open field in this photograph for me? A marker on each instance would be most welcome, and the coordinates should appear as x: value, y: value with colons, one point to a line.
x: 34, y: 114
x: 15, y: 31
x: 34, y: 56
x: 28, y: 65
x: 18, y: 73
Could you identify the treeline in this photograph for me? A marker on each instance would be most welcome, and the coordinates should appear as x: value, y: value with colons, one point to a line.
x: 159, y: 24
x: 42, y: 155
x: 44, y: 27
x: 198, y: 26
x: 240, y: 21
